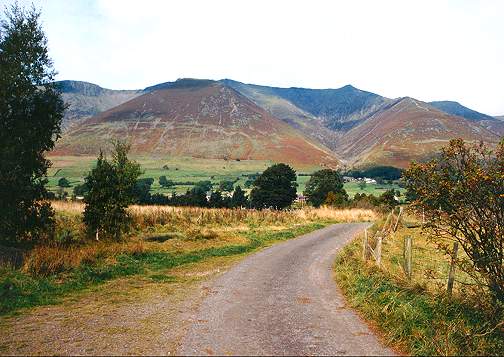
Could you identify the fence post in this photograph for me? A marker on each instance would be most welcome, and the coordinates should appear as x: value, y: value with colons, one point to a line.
x: 451, y: 273
x: 365, y: 254
x: 398, y: 218
x: 378, y: 250
x: 407, y: 254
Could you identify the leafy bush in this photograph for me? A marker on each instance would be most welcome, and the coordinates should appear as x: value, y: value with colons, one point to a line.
x: 462, y: 195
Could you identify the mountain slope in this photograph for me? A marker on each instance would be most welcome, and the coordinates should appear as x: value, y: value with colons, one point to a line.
x: 406, y: 130
x: 199, y: 119
x: 454, y: 108
x: 322, y: 114
x: 86, y: 99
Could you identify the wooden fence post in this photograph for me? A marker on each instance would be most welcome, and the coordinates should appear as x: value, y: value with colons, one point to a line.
x: 378, y: 250
x: 451, y: 273
x: 365, y: 250
x: 407, y: 255
x: 398, y: 218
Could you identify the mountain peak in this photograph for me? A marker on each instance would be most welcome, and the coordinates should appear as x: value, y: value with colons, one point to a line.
x: 182, y: 83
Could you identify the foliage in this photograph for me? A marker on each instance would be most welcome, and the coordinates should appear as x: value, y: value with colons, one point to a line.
x: 142, y: 189
x: 63, y: 182
x: 226, y: 186
x: 275, y: 188
x: 239, y: 199
x: 216, y: 200
x: 388, y: 199
x: 31, y: 110
x: 111, y: 190
x: 382, y: 172
x: 204, y: 185
x: 410, y: 317
x: 80, y: 190
x: 462, y: 194
x: 321, y: 183
x: 164, y: 182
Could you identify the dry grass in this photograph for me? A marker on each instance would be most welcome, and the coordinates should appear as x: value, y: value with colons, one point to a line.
x: 346, y: 215
x: 147, y: 216
x: 46, y: 260
x: 172, y: 230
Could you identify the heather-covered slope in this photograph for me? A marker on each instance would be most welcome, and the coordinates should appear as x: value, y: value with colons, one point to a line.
x: 199, y: 119
x: 406, y: 130
x: 491, y: 123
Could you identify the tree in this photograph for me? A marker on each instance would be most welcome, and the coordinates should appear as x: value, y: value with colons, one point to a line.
x: 80, y: 190
x: 204, y: 185
x: 196, y: 197
x: 226, y: 186
x: 462, y: 194
x: 362, y: 185
x: 216, y: 200
x: 31, y: 110
x: 239, y: 199
x: 142, y: 189
x: 321, y: 183
x: 63, y: 182
x: 275, y: 188
x: 111, y: 189
x: 164, y: 182
x: 388, y: 199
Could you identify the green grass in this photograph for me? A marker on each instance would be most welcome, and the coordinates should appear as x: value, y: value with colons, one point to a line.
x: 20, y: 290
x: 188, y: 169
x: 414, y: 319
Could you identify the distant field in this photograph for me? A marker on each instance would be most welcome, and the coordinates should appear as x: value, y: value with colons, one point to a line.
x: 186, y: 169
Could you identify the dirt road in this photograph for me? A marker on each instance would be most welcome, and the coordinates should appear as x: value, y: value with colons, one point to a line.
x: 283, y: 301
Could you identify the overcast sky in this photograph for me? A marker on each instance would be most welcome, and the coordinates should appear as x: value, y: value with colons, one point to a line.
x: 429, y: 50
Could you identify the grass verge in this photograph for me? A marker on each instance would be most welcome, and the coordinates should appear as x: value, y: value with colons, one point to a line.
x: 19, y: 289
x: 416, y: 316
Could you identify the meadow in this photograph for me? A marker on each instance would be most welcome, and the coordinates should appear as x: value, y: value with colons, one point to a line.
x: 180, y: 169
x: 161, y: 239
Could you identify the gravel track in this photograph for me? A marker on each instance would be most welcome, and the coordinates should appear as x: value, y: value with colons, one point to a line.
x: 283, y: 301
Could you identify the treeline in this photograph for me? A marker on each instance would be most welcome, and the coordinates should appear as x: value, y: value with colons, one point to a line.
x: 377, y: 172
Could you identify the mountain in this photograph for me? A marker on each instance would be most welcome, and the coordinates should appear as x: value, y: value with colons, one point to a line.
x: 322, y: 114
x: 455, y: 108
x: 195, y: 118
x: 85, y: 100
x: 407, y: 129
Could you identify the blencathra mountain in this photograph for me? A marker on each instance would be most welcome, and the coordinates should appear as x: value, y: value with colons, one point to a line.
x: 205, y: 119
x: 301, y: 126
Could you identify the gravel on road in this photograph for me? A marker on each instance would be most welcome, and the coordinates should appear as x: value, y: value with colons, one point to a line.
x: 283, y: 301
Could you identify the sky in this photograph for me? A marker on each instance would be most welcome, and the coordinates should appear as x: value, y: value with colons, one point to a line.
x: 428, y: 50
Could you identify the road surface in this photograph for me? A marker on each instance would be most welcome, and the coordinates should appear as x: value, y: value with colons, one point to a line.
x: 283, y: 301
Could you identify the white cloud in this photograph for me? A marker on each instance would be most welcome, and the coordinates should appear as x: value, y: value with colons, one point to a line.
x: 430, y: 50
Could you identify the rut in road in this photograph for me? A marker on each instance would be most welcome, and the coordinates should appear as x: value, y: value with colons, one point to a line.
x: 283, y: 301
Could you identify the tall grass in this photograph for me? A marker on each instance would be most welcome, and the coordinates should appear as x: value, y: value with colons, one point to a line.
x: 148, y: 216
x: 162, y: 237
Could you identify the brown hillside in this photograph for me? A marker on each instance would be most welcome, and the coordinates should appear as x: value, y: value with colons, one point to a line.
x: 406, y: 130
x: 199, y: 119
